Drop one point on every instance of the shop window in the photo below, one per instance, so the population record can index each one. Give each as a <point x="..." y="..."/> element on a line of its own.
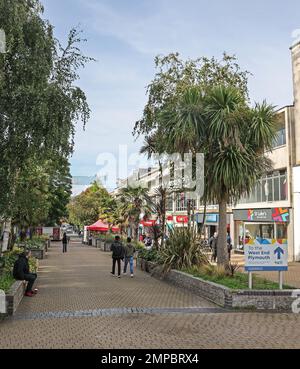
<point x="281" y="231"/>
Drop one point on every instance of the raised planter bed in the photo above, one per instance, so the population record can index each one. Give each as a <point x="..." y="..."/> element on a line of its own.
<point x="275" y="300"/>
<point x="14" y="297"/>
<point x="38" y="253"/>
<point x="107" y="246"/>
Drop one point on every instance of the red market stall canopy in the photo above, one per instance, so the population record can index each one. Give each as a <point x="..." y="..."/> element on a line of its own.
<point x="100" y="226"/>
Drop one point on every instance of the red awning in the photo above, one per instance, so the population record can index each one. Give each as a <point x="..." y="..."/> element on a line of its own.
<point x="115" y="229"/>
<point x="98" y="226"/>
<point x="102" y="227"/>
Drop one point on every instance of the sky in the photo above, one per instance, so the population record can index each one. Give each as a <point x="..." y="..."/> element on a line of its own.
<point x="124" y="36"/>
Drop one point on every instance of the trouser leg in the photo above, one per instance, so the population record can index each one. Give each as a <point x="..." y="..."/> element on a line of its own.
<point x="125" y="264"/>
<point x="119" y="266"/>
<point x="131" y="264"/>
<point x="30" y="278"/>
<point x="113" y="266"/>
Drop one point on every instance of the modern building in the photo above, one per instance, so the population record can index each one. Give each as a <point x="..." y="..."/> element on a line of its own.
<point x="273" y="208"/>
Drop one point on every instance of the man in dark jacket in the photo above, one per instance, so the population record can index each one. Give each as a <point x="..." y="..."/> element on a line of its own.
<point x="117" y="255"/>
<point x="21" y="272"/>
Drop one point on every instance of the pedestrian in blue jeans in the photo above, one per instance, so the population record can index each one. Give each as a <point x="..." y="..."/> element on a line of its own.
<point x="128" y="258"/>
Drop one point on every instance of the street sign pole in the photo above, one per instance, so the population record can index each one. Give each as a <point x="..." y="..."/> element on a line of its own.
<point x="280" y="280"/>
<point x="250" y="280"/>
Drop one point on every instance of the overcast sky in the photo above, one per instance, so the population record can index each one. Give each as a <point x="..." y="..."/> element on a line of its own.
<point x="125" y="36"/>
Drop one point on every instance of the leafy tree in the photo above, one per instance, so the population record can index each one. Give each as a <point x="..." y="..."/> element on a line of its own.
<point x="84" y="208"/>
<point x="39" y="101"/>
<point x="133" y="202"/>
<point x="175" y="75"/>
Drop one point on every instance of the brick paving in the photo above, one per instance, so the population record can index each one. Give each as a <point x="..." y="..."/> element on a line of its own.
<point x="80" y="305"/>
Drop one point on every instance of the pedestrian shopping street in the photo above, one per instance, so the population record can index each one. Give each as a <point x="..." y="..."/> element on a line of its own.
<point x="80" y="305"/>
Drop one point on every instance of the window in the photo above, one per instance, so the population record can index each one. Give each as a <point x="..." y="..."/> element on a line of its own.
<point x="169" y="203"/>
<point x="272" y="187"/>
<point x="182" y="202"/>
<point x="280" y="139"/>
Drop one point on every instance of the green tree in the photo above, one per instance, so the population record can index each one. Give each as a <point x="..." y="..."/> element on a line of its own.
<point x="84" y="208"/>
<point x="134" y="201"/>
<point x="233" y="137"/>
<point x="39" y="100"/>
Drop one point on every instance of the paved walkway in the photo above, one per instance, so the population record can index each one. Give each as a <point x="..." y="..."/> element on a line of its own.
<point x="80" y="305"/>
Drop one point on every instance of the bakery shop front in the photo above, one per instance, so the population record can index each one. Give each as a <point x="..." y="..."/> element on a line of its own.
<point x="271" y="223"/>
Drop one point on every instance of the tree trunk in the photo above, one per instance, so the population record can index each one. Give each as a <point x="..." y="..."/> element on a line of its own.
<point x="202" y="227"/>
<point x="222" y="253"/>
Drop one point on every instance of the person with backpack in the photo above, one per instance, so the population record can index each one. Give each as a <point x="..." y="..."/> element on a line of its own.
<point x="118" y="253"/>
<point x="128" y="257"/>
<point x="21" y="272"/>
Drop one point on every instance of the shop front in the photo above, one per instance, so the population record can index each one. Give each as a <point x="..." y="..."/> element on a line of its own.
<point x="252" y="224"/>
<point x="211" y="223"/>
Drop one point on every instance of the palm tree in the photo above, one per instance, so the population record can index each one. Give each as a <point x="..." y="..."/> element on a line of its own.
<point x="238" y="137"/>
<point x="233" y="138"/>
<point x="134" y="201"/>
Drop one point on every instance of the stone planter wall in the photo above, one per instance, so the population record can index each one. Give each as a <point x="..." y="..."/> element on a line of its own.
<point x="15" y="296"/>
<point x="107" y="246"/>
<point x="274" y="300"/>
<point x="38" y="253"/>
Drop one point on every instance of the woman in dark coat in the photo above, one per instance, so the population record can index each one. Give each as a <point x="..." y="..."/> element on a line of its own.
<point x="65" y="242"/>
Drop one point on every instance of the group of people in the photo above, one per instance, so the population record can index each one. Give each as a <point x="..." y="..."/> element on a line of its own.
<point x="213" y="242"/>
<point x="122" y="252"/>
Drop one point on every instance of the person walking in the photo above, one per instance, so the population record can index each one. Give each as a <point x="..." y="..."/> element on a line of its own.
<point x="213" y="243"/>
<point x="128" y="257"/>
<point x="118" y="252"/>
<point x="21" y="272"/>
<point x="65" y="242"/>
<point x="229" y="246"/>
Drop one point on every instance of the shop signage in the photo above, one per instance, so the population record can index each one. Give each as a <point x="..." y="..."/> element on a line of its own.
<point x="266" y="255"/>
<point x="281" y="215"/>
<point x="212" y="218"/>
<point x="182" y="219"/>
<point x="170" y="218"/>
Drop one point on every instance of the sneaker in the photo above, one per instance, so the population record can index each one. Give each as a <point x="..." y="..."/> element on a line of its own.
<point x="35" y="291"/>
<point x="119" y="276"/>
<point x="131" y="275"/>
<point x="29" y="294"/>
<point x="112" y="274"/>
<point x="124" y="273"/>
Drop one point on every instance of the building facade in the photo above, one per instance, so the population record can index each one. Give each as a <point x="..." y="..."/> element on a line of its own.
<point x="273" y="208"/>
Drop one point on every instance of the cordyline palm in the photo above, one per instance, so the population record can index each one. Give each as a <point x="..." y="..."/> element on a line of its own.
<point x="233" y="138"/>
<point x="134" y="201"/>
<point x="238" y="136"/>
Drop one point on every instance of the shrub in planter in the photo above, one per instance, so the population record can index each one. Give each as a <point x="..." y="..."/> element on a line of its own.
<point x="6" y="281"/>
<point x="8" y="259"/>
<point x="182" y="250"/>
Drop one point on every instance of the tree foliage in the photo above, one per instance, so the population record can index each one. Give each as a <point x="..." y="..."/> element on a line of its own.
<point x="39" y="105"/>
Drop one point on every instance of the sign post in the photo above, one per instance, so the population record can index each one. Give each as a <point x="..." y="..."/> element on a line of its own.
<point x="266" y="255"/>
<point x="250" y="280"/>
<point x="280" y="280"/>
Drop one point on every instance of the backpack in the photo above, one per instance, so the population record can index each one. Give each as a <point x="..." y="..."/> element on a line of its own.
<point x="118" y="250"/>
